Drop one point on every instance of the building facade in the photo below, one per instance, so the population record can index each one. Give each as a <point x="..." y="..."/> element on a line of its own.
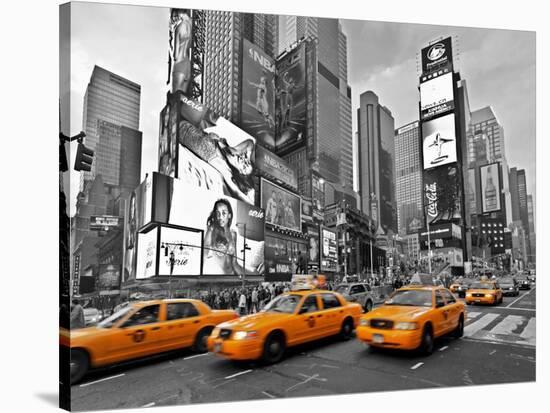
<point x="376" y="153"/>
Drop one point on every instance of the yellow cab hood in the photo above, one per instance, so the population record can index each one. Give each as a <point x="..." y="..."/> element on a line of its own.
<point x="398" y="312"/>
<point x="257" y="320"/>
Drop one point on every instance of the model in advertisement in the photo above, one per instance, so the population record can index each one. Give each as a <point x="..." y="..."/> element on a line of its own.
<point x="130" y="254"/>
<point x="166" y="160"/>
<point x="262" y="105"/>
<point x="290" y="220"/>
<point x="220" y="241"/>
<point x="181" y="27"/>
<point x="313" y="249"/>
<point x="271" y="209"/>
<point x="235" y="163"/>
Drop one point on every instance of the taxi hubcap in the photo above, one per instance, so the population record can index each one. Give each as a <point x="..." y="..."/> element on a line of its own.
<point x="274" y="347"/>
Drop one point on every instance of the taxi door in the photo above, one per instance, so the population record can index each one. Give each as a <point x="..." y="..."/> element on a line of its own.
<point x="333" y="314"/>
<point x="440" y="315"/>
<point x="453" y="310"/>
<point x="138" y="336"/>
<point x="183" y="322"/>
<point x="305" y="325"/>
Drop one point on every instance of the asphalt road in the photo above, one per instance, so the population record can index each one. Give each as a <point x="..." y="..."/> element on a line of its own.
<point x="498" y="347"/>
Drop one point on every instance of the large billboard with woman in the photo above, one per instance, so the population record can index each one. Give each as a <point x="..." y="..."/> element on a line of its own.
<point x="282" y="207"/>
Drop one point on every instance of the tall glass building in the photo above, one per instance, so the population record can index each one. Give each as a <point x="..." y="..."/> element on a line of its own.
<point x="114" y="99"/>
<point x="408" y="179"/>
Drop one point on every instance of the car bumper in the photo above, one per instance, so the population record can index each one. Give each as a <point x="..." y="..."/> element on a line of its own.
<point x="510" y="292"/>
<point x="235" y="349"/>
<point x="481" y="300"/>
<point x="400" y="339"/>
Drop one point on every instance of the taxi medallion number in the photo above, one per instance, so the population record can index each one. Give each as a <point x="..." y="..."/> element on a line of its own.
<point x="377" y="338"/>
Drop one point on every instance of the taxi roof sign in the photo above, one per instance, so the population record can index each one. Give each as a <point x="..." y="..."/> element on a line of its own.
<point x="307" y="282"/>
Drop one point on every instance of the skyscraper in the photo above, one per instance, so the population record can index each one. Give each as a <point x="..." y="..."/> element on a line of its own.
<point x="333" y="123"/>
<point x="532" y="234"/>
<point x="376" y="151"/>
<point x="111" y="98"/>
<point x="408" y="179"/>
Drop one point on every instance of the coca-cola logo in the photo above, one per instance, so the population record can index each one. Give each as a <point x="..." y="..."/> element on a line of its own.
<point x="431" y="196"/>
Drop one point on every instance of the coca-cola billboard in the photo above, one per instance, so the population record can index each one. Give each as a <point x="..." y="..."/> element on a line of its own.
<point x="442" y="194"/>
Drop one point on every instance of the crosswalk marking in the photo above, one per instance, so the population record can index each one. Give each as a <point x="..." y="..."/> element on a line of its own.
<point x="472" y="314"/>
<point x="484" y="321"/>
<point x="530" y="332"/>
<point x="509" y="324"/>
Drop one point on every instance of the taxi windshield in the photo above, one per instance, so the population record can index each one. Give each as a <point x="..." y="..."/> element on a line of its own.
<point x="507" y="281"/>
<point x="342" y="289"/>
<point x="415" y="298"/>
<point x="283" y="303"/>
<point x="481" y="286"/>
<point x="112" y="320"/>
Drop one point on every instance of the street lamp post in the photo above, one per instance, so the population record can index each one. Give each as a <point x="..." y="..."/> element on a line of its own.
<point x="246" y="247"/>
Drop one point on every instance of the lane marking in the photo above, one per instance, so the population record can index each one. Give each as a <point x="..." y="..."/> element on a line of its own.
<point x="268" y="395"/>
<point x="416" y="366"/>
<point x="484" y="340"/>
<point x="148" y="405"/>
<point x="99" y="381"/>
<point x="530" y="331"/>
<point x="308" y="379"/>
<point x="472" y="314"/>
<point x="238" y="374"/>
<point x="195" y="356"/>
<point x="520" y="297"/>
<point x="484" y="321"/>
<point x="509" y="324"/>
<point x="443" y="348"/>
<point x="492" y="352"/>
<point x="223" y="383"/>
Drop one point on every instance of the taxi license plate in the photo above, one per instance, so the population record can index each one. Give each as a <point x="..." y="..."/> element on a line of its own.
<point x="377" y="338"/>
<point x="478" y="301"/>
<point x="217" y="347"/>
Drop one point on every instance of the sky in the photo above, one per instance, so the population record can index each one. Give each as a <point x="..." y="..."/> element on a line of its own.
<point x="498" y="66"/>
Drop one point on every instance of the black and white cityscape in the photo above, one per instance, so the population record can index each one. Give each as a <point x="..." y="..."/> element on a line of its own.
<point x="226" y="155"/>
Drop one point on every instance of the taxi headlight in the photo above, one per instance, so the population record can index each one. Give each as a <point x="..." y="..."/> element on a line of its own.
<point x="364" y="323"/>
<point x="244" y="335"/>
<point x="406" y="326"/>
<point x="216" y="332"/>
<point x="468" y="294"/>
<point x="489" y="295"/>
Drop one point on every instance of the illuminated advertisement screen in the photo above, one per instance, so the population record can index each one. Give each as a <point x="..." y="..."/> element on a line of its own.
<point x="490" y="187"/>
<point x="275" y="166"/>
<point x="439" y="141"/>
<point x="225" y="221"/>
<point x="290" y="100"/>
<point x="109" y="277"/>
<point x="168" y="141"/>
<point x="329" y="250"/>
<point x="282" y="207"/>
<point x="437" y="55"/>
<point x="258" y="95"/>
<point x="436" y="96"/>
<point x="227" y="148"/>
<point x="180" y="252"/>
<point x="277" y="256"/>
<point x="471" y="191"/>
<point x="147" y="254"/>
<point x="442" y="194"/>
<point x="313" y="245"/>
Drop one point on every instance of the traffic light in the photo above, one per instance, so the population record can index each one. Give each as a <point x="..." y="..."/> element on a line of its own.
<point x="84" y="158"/>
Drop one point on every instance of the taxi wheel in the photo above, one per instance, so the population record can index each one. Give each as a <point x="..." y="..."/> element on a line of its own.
<point x="274" y="348"/>
<point x="201" y="340"/>
<point x="79" y="365"/>
<point x="459" y="330"/>
<point x="427" y="343"/>
<point x="347" y="329"/>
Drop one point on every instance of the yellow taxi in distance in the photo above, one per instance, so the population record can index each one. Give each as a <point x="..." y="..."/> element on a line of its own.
<point x="142" y="329"/>
<point x="484" y="292"/>
<point x="412" y="318"/>
<point x="292" y="318"/>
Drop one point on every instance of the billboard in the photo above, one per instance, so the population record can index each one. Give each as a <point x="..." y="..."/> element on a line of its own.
<point x="471" y="191"/>
<point x="442" y="194"/>
<point x="329" y="250"/>
<point x="109" y="277"/>
<point x="138" y="212"/>
<point x="437" y="55"/>
<point x="258" y="95"/>
<point x="196" y="172"/>
<point x="276" y="167"/>
<point x="490" y="187"/>
<point x="180" y="252"/>
<point x="439" y="141"/>
<point x="225" y="221"/>
<point x="282" y="207"/>
<point x="313" y="248"/>
<point x="168" y="142"/>
<point x="147" y="254"/>
<point x="179" y="55"/>
<point x="227" y="148"/>
<point x="104" y="222"/>
<point x="436" y="96"/>
<point x="277" y="256"/>
<point x="290" y="100"/>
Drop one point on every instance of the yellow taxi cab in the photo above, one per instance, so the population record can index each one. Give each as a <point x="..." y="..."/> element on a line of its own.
<point x="142" y="329"/>
<point x="412" y="318"/>
<point x="484" y="292"/>
<point x="298" y="316"/>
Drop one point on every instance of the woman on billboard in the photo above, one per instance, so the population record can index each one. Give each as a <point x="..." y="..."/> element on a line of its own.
<point x="220" y="241"/>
